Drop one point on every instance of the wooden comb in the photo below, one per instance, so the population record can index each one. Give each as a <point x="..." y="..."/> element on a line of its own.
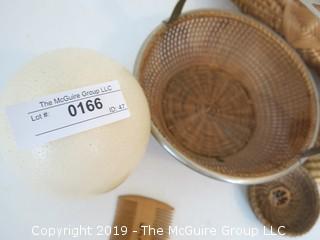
<point x="143" y="219"/>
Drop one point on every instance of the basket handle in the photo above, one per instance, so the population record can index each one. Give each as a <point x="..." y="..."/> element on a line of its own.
<point x="311" y="152"/>
<point x="176" y="11"/>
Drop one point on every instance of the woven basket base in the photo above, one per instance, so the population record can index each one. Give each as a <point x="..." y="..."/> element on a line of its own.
<point x="209" y="112"/>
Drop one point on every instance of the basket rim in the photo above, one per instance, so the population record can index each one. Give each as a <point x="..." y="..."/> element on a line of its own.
<point x="303" y="174"/>
<point x="189" y="162"/>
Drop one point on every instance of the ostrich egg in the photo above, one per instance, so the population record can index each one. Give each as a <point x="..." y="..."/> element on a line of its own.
<point x="91" y="160"/>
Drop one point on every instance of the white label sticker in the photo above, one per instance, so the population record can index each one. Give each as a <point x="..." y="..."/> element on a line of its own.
<point x="67" y="113"/>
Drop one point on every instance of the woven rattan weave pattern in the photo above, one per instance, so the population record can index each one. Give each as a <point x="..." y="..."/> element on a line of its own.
<point x="205" y="105"/>
<point x="267" y="108"/>
<point x="313" y="167"/>
<point x="292" y="202"/>
<point x="293" y="20"/>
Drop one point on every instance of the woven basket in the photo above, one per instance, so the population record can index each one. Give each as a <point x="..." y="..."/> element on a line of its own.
<point x="292" y="201"/>
<point x="227" y="95"/>
<point x="301" y="28"/>
<point x="268" y="11"/>
<point x="313" y="165"/>
<point x="293" y="20"/>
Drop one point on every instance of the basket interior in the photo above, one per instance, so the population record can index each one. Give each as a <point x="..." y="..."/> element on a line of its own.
<point x="291" y="201"/>
<point x="228" y="93"/>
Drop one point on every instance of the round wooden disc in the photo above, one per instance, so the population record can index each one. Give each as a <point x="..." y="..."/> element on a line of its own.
<point x="292" y="202"/>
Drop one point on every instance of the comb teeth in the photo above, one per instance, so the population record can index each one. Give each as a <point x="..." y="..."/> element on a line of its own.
<point x="163" y="220"/>
<point x="132" y="211"/>
<point x="125" y="215"/>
